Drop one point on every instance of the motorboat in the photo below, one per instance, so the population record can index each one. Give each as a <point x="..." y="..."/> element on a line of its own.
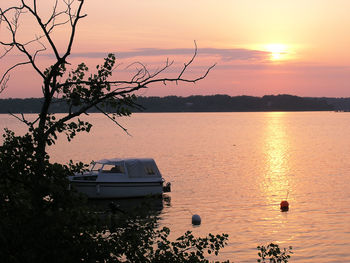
<point x="120" y="178"/>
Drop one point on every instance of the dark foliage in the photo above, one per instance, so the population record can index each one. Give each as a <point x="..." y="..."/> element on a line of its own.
<point x="273" y="254"/>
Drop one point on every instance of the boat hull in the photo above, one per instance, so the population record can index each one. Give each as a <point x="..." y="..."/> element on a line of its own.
<point x="99" y="190"/>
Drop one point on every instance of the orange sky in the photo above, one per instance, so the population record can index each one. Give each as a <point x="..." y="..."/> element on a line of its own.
<point x="261" y="47"/>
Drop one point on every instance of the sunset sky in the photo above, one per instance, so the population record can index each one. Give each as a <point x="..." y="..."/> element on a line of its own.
<point x="260" y="46"/>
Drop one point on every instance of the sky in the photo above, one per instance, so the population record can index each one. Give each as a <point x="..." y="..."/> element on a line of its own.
<point x="259" y="47"/>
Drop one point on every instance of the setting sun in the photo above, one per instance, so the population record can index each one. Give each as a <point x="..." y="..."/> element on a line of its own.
<point x="278" y="51"/>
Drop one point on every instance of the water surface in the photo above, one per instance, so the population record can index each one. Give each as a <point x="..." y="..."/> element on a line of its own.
<point x="233" y="169"/>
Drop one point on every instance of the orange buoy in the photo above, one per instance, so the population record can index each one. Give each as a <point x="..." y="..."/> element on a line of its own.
<point x="284" y="206"/>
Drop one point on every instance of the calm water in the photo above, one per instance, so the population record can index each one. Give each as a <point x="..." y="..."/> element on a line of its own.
<point x="233" y="169"/>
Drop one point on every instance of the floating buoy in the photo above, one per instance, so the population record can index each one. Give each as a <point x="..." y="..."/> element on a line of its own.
<point x="196" y="220"/>
<point x="284" y="206"/>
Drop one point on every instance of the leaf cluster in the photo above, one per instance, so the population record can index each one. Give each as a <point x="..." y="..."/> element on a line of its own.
<point x="81" y="93"/>
<point x="186" y="248"/>
<point x="273" y="254"/>
<point x="78" y="90"/>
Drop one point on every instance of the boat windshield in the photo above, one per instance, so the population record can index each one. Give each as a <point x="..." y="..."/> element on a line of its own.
<point x="96" y="167"/>
<point x="113" y="168"/>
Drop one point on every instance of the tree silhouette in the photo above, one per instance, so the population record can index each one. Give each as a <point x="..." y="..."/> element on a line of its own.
<point x="79" y="89"/>
<point x="43" y="220"/>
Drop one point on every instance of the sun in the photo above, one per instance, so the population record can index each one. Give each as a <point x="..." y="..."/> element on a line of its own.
<point x="277" y="51"/>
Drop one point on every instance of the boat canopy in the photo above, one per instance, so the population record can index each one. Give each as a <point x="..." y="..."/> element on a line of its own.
<point x="137" y="168"/>
<point x="142" y="168"/>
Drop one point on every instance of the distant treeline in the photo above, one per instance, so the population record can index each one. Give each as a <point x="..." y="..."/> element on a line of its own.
<point x="224" y="103"/>
<point x="214" y="103"/>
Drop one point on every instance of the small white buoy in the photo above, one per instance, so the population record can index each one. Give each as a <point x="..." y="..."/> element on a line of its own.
<point x="196" y="220"/>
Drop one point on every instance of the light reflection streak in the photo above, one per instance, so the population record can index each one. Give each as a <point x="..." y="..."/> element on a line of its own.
<point x="275" y="182"/>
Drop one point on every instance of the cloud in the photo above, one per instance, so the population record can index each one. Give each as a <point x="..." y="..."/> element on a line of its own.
<point x="225" y="54"/>
<point x="237" y="59"/>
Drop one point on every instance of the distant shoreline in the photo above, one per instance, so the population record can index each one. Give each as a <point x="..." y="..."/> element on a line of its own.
<point x="168" y="112"/>
<point x="211" y="103"/>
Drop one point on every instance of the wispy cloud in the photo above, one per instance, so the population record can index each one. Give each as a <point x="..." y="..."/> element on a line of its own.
<point x="238" y="59"/>
<point x="224" y="54"/>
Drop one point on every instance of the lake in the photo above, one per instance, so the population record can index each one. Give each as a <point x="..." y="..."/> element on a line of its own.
<point x="234" y="169"/>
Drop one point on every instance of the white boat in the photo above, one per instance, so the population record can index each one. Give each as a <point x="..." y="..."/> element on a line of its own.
<point x="120" y="178"/>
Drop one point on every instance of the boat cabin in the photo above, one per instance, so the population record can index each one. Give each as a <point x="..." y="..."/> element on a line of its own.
<point x="131" y="168"/>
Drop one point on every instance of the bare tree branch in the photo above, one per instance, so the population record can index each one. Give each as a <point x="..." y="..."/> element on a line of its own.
<point x="159" y="71"/>
<point x="44" y="30"/>
<point x="23" y="119"/>
<point x="74" y="26"/>
<point x="12" y="26"/>
<point x="189" y="62"/>
<point x="6" y="51"/>
<point x="144" y="82"/>
<point x="3" y="83"/>
<point x="141" y="73"/>
<point x="113" y="120"/>
<point x="140" y="80"/>
<point x="5" y="77"/>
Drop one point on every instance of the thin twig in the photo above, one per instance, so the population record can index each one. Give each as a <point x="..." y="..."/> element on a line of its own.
<point x="21" y="119"/>
<point x="109" y="117"/>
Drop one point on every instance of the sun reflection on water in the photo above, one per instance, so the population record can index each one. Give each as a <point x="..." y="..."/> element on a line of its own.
<point x="275" y="183"/>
